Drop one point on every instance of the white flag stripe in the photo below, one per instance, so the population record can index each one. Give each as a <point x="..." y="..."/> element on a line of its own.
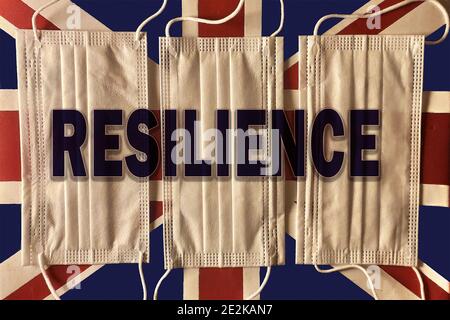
<point x="434" y="195"/>
<point x="434" y="276"/>
<point x="189" y="8"/>
<point x="9" y="100"/>
<point x="8" y="27"/>
<point x="253" y="18"/>
<point x="251" y="278"/>
<point x="156" y="224"/>
<point x="191" y="284"/>
<point x="436" y="101"/>
<point x="75" y="281"/>
<point x="343" y="23"/>
<point x="10" y="192"/>
<point x="13" y="275"/>
<point x="425" y="19"/>
<point x="389" y="288"/>
<point x="59" y="14"/>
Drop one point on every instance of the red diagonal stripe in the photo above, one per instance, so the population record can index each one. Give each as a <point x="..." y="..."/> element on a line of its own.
<point x="19" y="14"/>
<point x="407" y="277"/>
<point x="360" y="26"/>
<point x="221" y="284"/>
<point x="156" y="210"/>
<point x="219" y="9"/>
<point x="436" y="148"/>
<point x="291" y="78"/>
<point x="36" y="289"/>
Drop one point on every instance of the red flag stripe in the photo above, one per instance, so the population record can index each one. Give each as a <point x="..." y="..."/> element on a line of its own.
<point x="291" y="77"/>
<point x="436" y="148"/>
<point x="9" y="146"/>
<point x="217" y="10"/>
<point x="221" y="284"/>
<point x="360" y="26"/>
<point x="19" y="14"/>
<point x="36" y="289"/>
<point x="407" y="277"/>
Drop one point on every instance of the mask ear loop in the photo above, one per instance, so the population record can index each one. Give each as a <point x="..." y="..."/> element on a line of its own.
<point x="34" y="17"/>
<point x="53" y="291"/>
<point x="351" y="266"/>
<point x="206" y="21"/>
<point x="146" y="21"/>
<point x="389" y="9"/>
<point x="422" y="287"/>
<point x="226" y="19"/>
<point x="280" y="27"/>
<point x="141" y="275"/>
<point x="46" y="278"/>
<point x="158" y="285"/>
<point x="261" y="287"/>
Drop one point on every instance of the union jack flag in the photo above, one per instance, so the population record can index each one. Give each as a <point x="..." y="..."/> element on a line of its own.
<point x="258" y="17"/>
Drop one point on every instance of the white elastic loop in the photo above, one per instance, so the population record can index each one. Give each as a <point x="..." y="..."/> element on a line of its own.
<point x="46" y="278"/>
<point x="35" y="15"/>
<point x="206" y="21"/>
<point x="389" y="9"/>
<point x="261" y="287"/>
<point x="146" y="21"/>
<point x="158" y="285"/>
<point x="226" y="19"/>
<point x="351" y="266"/>
<point x="141" y="275"/>
<point x="422" y="287"/>
<point x="280" y="27"/>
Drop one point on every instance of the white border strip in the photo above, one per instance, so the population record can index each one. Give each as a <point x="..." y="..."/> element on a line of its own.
<point x="10" y="192"/>
<point x="9" y="100"/>
<point x="436" y="101"/>
<point x="253" y="18"/>
<point x="434" y="195"/>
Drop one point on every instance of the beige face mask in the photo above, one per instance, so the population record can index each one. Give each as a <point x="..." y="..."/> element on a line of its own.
<point x="361" y="203"/>
<point x="79" y="93"/>
<point x="219" y="221"/>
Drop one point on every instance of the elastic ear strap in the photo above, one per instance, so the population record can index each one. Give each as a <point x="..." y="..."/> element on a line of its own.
<point x="351" y="266"/>
<point x="146" y="21"/>
<point x="226" y="19"/>
<point x="422" y="287"/>
<point x="141" y="275"/>
<point x="261" y="287"/>
<point x="35" y="15"/>
<point x="158" y="285"/>
<point x="390" y="9"/>
<point x="46" y="278"/>
<point x="206" y="21"/>
<point x="280" y="27"/>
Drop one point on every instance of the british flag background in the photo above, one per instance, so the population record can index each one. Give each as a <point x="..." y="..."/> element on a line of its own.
<point x="258" y="17"/>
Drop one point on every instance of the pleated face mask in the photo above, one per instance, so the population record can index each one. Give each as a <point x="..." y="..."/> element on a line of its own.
<point x="363" y="98"/>
<point x="85" y="147"/>
<point x="220" y="213"/>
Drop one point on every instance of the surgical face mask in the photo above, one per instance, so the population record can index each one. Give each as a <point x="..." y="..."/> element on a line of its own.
<point x="212" y="216"/>
<point x="363" y="99"/>
<point x="83" y="104"/>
